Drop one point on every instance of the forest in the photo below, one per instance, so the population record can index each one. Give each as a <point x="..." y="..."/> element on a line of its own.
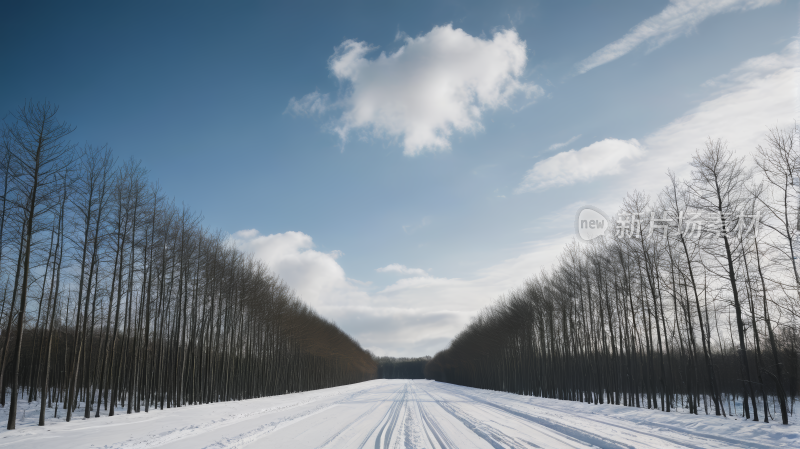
<point x="121" y="299"/>
<point x="692" y="302"/>
<point x="401" y="367"/>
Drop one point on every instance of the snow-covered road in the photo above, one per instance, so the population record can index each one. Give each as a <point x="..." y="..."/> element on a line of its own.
<point x="402" y="414"/>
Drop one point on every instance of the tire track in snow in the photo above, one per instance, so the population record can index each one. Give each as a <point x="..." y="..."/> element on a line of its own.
<point x="330" y="440"/>
<point x="470" y="424"/>
<point x="555" y="433"/>
<point x="263" y="430"/>
<point x="430" y="425"/>
<point x="575" y="434"/>
<point x="394" y="398"/>
<point x="404" y="414"/>
<point x="199" y="429"/>
<point x="389" y="420"/>
<point x="561" y="431"/>
<point x="252" y="436"/>
<point x="691" y="435"/>
<point x="392" y="422"/>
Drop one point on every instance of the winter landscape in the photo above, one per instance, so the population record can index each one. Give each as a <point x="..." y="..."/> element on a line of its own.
<point x="511" y="224"/>
<point x="402" y="414"/>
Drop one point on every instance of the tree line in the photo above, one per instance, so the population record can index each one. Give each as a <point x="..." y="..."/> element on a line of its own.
<point x="401" y="367"/>
<point x="691" y="299"/>
<point x="116" y="297"/>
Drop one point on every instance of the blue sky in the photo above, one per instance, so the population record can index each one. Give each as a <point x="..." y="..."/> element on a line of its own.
<point x="400" y="195"/>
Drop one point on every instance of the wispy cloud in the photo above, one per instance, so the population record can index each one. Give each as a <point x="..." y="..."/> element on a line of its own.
<point x="569" y="167"/>
<point x="412" y="228"/>
<point x="309" y="104"/>
<point x="757" y="68"/>
<point x="434" y="85"/>
<point x="399" y="331"/>
<point x="402" y="269"/>
<point x="556" y="146"/>
<point x="760" y="92"/>
<point x="678" y="18"/>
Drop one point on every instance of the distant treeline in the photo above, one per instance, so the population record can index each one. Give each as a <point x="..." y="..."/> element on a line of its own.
<point x="115" y="295"/>
<point x="401" y="368"/>
<point x="692" y="301"/>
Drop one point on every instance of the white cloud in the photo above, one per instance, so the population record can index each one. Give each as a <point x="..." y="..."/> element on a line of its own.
<point x="419" y="314"/>
<point x="316" y="276"/>
<point x="475" y="290"/>
<point x="679" y="17"/>
<point x="433" y="85"/>
<point x="556" y="146"/>
<point x="755" y="68"/>
<point x="569" y="167"/>
<point x="435" y="309"/>
<point x="414" y="316"/>
<point x="402" y="269"/>
<point x="422" y="282"/>
<point x="760" y="93"/>
<point x="399" y="331"/>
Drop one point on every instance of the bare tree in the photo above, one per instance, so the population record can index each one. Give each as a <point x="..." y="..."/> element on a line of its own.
<point x="39" y="154"/>
<point x="165" y="313"/>
<point x="618" y="320"/>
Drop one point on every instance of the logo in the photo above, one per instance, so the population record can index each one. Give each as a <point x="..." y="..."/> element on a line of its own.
<point x="591" y="223"/>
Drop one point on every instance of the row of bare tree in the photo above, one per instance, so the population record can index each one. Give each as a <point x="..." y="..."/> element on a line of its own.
<point x="401" y="367"/>
<point x="690" y="300"/>
<point x="114" y="296"/>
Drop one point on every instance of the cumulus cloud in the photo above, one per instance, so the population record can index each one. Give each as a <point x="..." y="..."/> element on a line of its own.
<point x="432" y="86"/>
<point x="678" y="18"/>
<point x="560" y="145"/>
<point x="419" y="314"/>
<point x="413" y="316"/>
<point x="569" y="167"/>
<point x="314" y="275"/>
<point x="402" y="269"/>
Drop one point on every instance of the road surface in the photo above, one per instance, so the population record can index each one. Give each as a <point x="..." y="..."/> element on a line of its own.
<point x="401" y="414"/>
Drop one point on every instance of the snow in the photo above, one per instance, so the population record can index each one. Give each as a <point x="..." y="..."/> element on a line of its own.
<point x="396" y="414"/>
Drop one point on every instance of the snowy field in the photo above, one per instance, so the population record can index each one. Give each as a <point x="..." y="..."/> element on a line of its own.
<point x="398" y="414"/>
